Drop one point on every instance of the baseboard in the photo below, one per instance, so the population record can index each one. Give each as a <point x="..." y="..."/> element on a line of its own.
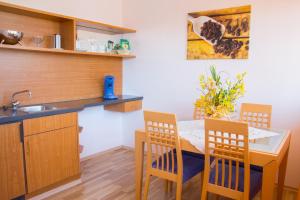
<point x="288" y="188"/>
<point x="56" y="190"/>
<point x="100" y="153"/>
<point x="106" y="151"/>
<point x="127" y="148"/>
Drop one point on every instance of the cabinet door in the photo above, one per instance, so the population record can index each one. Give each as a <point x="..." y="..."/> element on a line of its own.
<point x="12" y="181"/>
<point x="51" y="157"/>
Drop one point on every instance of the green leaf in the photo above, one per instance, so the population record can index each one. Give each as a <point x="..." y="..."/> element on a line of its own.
<point x="213" y="72"/>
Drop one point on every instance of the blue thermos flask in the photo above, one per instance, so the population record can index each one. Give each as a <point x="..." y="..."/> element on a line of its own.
<point x="109" y="82"/>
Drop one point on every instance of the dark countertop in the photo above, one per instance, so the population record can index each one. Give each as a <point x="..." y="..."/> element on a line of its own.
<point x="7" y="116"/>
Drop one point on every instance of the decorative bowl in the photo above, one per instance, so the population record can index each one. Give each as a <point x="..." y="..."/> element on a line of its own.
<point x="10" y="37"/>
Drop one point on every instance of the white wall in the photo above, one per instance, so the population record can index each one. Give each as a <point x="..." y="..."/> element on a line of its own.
<point x="169" y="82"/>
<point x="102" y="129"/>
<point x="99" y="10"/>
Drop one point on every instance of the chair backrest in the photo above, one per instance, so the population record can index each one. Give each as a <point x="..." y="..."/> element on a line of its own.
<point x="227" y="143"/>
<point x="162" y="141"/>
<point x="198" y="112"/>
<point x="257" y="115"/>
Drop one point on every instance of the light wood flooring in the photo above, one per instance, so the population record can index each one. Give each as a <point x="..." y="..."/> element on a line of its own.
<point x="111" y="177"/>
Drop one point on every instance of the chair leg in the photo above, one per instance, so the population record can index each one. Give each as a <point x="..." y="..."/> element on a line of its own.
<point x="167" y="186"/>
<point x="203" y="194"/>
<point x="146" y="189"/>
<point x="204" y="186"/>
<point x="178" y="190"/>
<point x="216" y="197"/>
<point x="201" y="178"/>
<point x="170" y="186"/>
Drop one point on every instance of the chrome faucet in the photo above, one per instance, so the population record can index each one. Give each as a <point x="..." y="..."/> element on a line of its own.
<point x="15" y="103"/>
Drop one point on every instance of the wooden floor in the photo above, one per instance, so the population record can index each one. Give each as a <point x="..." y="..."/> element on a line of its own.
<point x="111" y="177"/>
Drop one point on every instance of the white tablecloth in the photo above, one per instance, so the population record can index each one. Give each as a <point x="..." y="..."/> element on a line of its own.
<point x="193" y="131"/>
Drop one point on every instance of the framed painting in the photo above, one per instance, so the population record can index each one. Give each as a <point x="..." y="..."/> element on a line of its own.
<point x="219" y="34"/>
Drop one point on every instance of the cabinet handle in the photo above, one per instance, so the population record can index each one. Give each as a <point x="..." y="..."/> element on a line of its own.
<point x="27" y="147"/>
<point x="21" y="133"/>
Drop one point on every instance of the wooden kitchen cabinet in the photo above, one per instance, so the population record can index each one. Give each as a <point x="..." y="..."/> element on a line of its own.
<point x="51" y="151"/>
<point x="125" y="107"/>
<point x="12" y="180"/>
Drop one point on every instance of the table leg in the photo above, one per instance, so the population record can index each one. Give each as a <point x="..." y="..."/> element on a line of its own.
<point x="269" y="176"/>
<point x="139" y="163"/>
<point x="281" y="175"/>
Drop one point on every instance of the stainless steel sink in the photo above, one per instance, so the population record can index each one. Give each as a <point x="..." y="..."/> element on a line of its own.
<point x="37" y="108"/>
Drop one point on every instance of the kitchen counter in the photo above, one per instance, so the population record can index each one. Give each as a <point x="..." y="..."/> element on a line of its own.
<point x="7" y="116"/>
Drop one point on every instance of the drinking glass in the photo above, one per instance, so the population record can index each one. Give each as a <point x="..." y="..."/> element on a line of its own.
<point x="38" y="40"/>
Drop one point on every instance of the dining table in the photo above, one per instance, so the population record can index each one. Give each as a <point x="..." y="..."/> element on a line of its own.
<point x="268" y="148"/>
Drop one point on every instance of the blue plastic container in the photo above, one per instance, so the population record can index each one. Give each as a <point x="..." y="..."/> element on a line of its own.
<point x="109" y="82"/>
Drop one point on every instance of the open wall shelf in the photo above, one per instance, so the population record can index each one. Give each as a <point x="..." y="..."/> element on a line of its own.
<point x="62" y="51"/>
<point x="34" y="22"/>
<point x="83" y="24"/>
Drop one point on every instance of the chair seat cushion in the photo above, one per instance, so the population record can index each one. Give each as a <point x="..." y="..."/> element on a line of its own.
<point x="198" y="155"/>
<point x="192" y="164"/>
<point x="253" y="167"/>
<point x="255" y="177"/>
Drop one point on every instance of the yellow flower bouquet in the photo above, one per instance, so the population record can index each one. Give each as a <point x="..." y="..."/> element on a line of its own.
<point x="218" y="96"/>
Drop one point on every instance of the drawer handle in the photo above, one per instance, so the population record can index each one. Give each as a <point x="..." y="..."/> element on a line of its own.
<point x="27" y="148"/>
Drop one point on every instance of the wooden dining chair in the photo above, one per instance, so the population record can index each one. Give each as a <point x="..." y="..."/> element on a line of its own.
<point x="198" y="112"/>
<point x="164" y="156"/>
<point x="257" y="115"/>
<point x="230" y="174"/>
